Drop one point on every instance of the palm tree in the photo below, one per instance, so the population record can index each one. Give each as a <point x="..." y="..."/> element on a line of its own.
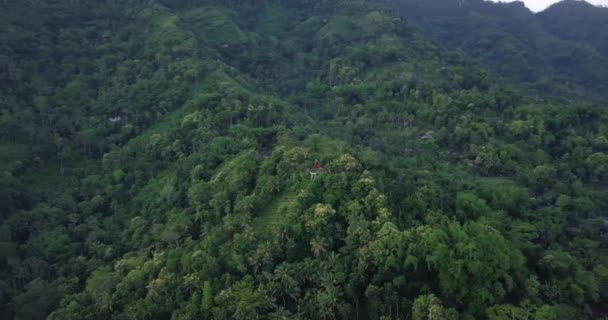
<point x="282" y="314"/>
<point x="288" y="285"/>
<point x="327" y="301"/>
<point x="317" y="246"/>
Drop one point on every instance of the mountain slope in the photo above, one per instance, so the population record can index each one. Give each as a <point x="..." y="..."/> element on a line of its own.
<point x="578" y="21"/>
<point x="446" y="193"/>
<point x="554" y="52"/>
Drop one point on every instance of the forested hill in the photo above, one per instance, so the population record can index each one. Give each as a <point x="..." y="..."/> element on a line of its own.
<point x="156" y="161"/>
<point x="558" y="52"/>
<point x="578" y="21"/>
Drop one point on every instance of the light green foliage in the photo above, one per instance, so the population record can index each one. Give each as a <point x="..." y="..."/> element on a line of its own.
<point x="375" y="23"/>
<point x="274" y="214"/>
<point x="215" y="26"/>
<point x="510" y="312"/>
<point x="598" y="165"/>
<point x="338" y="29"/>
<point x="100" y="286"/>
<point x="429" y="307"/>
<point x="207" y="298"/>
<point x="545" y="313"/>
<point x="505" y="312"/>
<point x="345" y="162"/>
<point x="474" y="263"/>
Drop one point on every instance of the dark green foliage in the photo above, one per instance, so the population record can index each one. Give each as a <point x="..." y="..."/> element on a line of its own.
<point x="553" y="52"/>
<point x="158" y="163"/>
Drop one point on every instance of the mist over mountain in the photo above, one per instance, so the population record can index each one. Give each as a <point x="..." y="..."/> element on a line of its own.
<point x="578" y="21"/>
<point x="541" y="5"/>
<point x="302" y="159"/>
<point x="558" y="52"/>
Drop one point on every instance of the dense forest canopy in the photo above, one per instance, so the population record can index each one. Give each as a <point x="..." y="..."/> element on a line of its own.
<point x="558" y="52"/>
<point x="302" y="159"/>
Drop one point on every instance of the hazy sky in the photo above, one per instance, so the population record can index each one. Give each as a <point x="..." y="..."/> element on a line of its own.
<point x="538" y="5"/>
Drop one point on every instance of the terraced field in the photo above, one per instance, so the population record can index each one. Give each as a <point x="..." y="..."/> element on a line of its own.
<point x="274" y="214"/>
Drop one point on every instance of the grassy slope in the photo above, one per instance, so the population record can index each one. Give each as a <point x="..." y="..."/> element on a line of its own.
<point x="273" y="214"/>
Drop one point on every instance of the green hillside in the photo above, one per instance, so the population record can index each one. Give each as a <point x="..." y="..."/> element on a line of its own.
<point x="557" y="53"/>
<point x="156" y="158"/>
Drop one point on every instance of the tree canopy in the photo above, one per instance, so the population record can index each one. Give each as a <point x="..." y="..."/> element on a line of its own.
<point x="158" y="162"/>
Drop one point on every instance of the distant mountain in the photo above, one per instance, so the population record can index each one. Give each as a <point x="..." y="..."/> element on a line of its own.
<point x="556" y="52"/>
<point x="578" y="21"/>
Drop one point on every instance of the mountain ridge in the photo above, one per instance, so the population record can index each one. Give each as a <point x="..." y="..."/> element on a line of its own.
<point x="551" y="57"/>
